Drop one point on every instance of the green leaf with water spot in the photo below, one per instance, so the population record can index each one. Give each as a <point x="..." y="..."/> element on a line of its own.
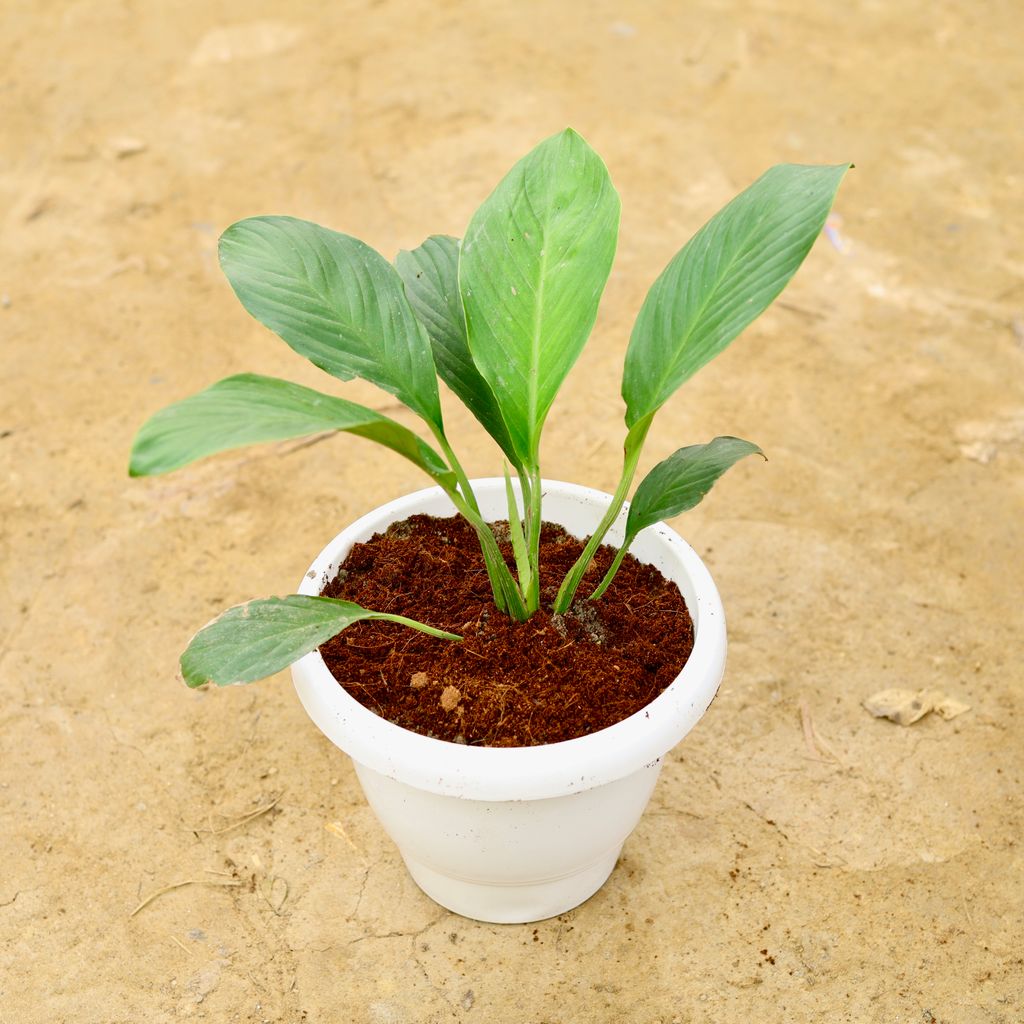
<point x="335" y="301"/>
<point x="534" y="262"/>
<point x="259" y="638"/>
<point x="249" y="409"/>
<point x="431" y="276"/>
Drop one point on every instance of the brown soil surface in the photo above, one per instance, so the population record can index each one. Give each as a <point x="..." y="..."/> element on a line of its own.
<point x="506" y="683"/>
<point x="881" y="545"/>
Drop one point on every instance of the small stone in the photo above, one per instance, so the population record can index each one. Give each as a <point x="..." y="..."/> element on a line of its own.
<point x="950" y="707"/>
<point x="904" y="707"/>
<point x="124" y="146"/>
<point x="419" y="680"/>
<point x="1017" y="326"/>
<point x="450" y="697"/>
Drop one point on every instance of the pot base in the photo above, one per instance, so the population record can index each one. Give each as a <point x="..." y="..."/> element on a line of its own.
<point x="512" y="904"/>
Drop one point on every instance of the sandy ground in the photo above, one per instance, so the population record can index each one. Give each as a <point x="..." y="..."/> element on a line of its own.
<point x="881" y="546"/>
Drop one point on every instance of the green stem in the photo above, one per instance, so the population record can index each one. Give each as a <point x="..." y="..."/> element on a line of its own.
<point x="515" y="529"/>
<point x="421" y="626"/>
<point x="460" y="473"/>
<point x="524" y="485"/>
<point x="533" y="512"/>
<point x="507" y="596"/>
<point x="506" y="591"/>
<point x="571" y="583"/>
<point x="612" y="570"/>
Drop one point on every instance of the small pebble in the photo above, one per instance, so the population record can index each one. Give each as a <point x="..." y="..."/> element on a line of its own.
<point x="120" y="148"/>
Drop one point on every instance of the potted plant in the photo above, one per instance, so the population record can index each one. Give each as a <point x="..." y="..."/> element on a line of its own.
<point x="500" y="833"/>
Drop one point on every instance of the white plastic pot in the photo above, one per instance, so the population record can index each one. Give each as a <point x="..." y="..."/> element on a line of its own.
<point x="524" y="833"/>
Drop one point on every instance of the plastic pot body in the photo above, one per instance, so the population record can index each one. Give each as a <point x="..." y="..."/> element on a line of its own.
<point x="518" y="834"/>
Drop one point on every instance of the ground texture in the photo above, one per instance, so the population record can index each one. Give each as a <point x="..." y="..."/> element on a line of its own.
<point x="801" y="861"/>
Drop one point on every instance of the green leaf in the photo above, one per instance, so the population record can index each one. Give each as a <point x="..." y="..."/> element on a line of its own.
<point x="674" y="485"/>
<point x="335" y="301"/>
<point x="248" y="409"/>
<point x="257" y="639"/>
<point x="679" y="482"/>
<point x="431" y="276"/>
<point x="724" y="278"/>
<point x="534" y="262"/>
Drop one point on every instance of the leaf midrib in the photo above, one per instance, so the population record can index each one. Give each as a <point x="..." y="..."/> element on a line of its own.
<point x="535" y="337"/>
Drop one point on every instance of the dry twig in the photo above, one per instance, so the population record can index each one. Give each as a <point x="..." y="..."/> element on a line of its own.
<point x="816" y="746"/>
<point x="251" y="816"/>
<point x="337" y="829"/>
<point x="178" y="885"/>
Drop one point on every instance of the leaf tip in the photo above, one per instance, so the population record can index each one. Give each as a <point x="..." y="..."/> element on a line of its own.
<point x="193" y="680"/>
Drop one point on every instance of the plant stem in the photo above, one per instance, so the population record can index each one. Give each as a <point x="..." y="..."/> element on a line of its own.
<point x="532" y="593"/>
<point x="533" y="512"/>
<point x="421" y="626"/>
<point x="506" y="592"/>
<point x="612" y="570"/>
<point x="632" y="448"/>
<point x="518" y="537"/>
<point x="524" y="485"/>
<point x="460" y="473"/>
<point x="507" y="596"/>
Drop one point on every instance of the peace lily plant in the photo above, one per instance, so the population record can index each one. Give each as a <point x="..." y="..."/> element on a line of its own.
<point x="500" y="317"/>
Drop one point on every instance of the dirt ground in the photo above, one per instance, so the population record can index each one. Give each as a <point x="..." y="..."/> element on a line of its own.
<point x="801" y="861"/>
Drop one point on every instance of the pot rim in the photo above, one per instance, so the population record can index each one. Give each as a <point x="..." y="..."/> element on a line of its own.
<point x="518" y="773"/>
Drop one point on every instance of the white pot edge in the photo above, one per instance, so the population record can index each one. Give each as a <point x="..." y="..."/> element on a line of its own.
<point x="522" y="773"/>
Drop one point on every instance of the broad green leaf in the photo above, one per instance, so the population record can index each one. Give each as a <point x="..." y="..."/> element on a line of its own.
<point x="431" y="276"/>
<point x="680" y="482"/>
<point x="248" y="409"/>
<point x="534" y="262"/>
<point x="335" y="301"/>
<point x="257" y="639"/>
<point x="724" y="278"/>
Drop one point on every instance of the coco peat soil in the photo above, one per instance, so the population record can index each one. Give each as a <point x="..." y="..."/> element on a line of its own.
<point x="507" y="683"/>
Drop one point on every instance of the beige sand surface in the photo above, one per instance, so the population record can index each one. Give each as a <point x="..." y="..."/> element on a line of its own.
<point x="881" y="546"/>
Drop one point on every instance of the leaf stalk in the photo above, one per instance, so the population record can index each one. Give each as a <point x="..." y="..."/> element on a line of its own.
<point x="631" y="457"/>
